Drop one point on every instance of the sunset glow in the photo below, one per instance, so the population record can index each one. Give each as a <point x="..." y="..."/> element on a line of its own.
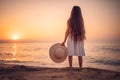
<point x="15" y="37"/>
<point x="46" y="20"/>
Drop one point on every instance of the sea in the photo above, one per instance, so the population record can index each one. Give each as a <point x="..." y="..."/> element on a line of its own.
<point x="102" y="55"/>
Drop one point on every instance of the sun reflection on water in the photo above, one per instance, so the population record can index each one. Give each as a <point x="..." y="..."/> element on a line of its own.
<point x="14" y="51"/>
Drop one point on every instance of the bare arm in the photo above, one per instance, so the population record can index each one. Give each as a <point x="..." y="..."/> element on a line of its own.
<point x="66" y="35"/>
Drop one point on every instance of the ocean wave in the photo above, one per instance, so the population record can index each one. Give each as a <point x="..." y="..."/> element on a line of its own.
<point x="107" y="62"/>
<point x="5" y="55"/>
<point x="17" y="61"/>
<point x="35" y="49"/>
<point x="111" y="49"/>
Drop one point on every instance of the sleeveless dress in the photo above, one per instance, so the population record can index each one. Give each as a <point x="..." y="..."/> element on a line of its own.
<point x="75" y="49"/>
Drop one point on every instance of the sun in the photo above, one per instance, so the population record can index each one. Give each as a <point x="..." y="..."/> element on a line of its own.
<point x="15" y="37"/>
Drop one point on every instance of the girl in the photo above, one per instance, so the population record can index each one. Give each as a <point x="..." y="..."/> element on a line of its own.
<point x="76" y="35"/>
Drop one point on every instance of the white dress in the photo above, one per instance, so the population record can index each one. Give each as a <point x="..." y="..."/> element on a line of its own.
<point x="75" y="49"/>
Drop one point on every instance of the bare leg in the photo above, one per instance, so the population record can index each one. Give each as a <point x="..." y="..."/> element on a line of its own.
<point x="80" y="61"/>
<point x="70" y="61"/>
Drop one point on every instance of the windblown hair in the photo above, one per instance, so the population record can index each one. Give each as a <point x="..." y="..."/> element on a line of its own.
<point x="76" y="25"/>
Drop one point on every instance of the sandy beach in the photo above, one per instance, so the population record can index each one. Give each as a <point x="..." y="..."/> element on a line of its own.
<point x="20" y="72"/>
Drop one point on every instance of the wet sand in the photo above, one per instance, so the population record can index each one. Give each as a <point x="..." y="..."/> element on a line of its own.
<point x="20" y="72"/>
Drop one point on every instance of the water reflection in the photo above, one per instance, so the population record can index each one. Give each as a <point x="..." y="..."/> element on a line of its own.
<point x="14" y="51"/>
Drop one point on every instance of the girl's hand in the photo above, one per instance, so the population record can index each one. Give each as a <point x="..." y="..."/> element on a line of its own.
<point x="63" y="43"/>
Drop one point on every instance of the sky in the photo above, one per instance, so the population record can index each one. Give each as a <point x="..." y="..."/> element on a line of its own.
<point x="45" y="20"/>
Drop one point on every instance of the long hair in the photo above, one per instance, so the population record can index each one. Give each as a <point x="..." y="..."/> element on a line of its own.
<point x="76" y="25"/>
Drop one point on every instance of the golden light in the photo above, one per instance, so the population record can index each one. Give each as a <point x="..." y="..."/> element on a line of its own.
<point x="15" y="37"/>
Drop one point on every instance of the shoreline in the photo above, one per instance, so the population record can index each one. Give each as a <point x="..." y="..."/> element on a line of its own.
<point x="21" y="72"/>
